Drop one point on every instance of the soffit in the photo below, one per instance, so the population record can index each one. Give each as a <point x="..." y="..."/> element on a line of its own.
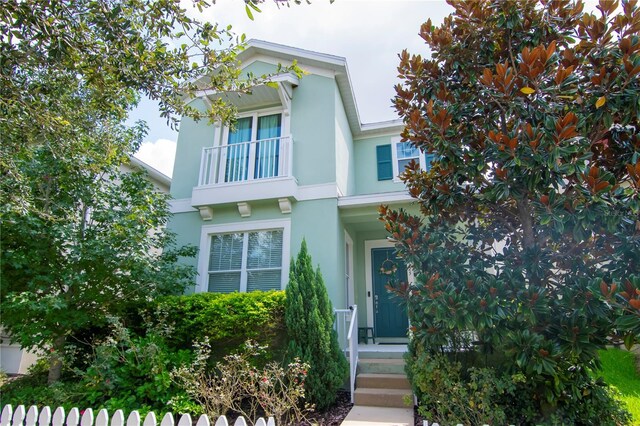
<point x="261" y="96"/>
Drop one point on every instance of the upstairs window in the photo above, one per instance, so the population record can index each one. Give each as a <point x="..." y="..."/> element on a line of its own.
<point x="403" y="153"/>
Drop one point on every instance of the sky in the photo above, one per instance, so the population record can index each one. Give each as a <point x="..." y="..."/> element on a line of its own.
<point x="368" y="33"/>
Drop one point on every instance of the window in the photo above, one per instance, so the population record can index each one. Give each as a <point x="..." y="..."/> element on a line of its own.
<point x="404" y="152"/>
<point x="253" y="148"/>
<point x="244" y="256"/>
<point x="245" y="261"/>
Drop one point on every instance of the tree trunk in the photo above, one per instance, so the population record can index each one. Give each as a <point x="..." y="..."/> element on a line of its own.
<point x="55" y="368"/>
<point x="529" y="240"/>
<point x="524" y="213"/>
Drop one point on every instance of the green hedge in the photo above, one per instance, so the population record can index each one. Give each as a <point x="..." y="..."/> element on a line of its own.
<point x="228" y="320"/>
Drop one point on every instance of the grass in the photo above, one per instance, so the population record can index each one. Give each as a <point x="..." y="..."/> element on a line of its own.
<point x="619" y="370"/>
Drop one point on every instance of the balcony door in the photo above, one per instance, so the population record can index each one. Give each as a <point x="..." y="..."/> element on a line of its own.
<point x="253" y="148"/>
<point x="237" y="165"/>
<point x="268" y="146"/>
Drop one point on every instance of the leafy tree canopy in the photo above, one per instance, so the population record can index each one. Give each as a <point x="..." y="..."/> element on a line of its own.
<point x="80" y="239"/>
<point x="530" y="234"/>
<point x="67" y="65"/>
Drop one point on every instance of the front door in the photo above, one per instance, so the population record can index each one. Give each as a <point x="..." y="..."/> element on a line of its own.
<point x="389" y="313"/>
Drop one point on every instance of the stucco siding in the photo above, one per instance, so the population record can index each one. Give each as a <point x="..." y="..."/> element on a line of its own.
<point x="312" y="127"/>
<point x="366" y="176"/>
<point x="186" y="226"/>
<point x="345" y="167"/>
<point x="192" y="138"/>
<point x="317" y="222"/>
<point x="258" y="68"/>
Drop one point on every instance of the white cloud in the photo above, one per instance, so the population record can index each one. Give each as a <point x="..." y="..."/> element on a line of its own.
<point x="160" y="155"/>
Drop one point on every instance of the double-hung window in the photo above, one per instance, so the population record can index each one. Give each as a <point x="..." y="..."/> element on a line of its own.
<point x="250" y="257"/>
<point x="245" y="261"/>
<point x="404" y="152"/>
<point x="253" y="148"/>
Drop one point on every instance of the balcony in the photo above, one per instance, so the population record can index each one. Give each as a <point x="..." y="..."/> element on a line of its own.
<point x="247" y="171"/>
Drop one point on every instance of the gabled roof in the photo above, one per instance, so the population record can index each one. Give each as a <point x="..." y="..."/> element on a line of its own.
<point x="336" y="64"/>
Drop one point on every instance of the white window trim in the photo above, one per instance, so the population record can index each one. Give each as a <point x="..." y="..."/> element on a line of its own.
<point x="202" y="281"/>
<point x="349" y="278"/>
<point x="394" y="157"/>
<point x="284" y="123"/>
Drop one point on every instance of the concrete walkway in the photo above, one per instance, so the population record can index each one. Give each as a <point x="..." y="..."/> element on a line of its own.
<point x="361" y="415"/>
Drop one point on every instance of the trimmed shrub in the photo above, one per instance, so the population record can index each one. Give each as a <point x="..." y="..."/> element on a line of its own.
<point x="226" y="320"/>
<point x="309" y="319"/>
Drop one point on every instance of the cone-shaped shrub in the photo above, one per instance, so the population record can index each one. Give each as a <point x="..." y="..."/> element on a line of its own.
<point x="309" y="319"/>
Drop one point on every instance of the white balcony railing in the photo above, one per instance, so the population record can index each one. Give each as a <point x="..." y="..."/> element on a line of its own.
<point x="246" y="161"/>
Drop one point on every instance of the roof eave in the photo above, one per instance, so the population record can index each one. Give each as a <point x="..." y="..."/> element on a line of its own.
<point x="151" y="171"/>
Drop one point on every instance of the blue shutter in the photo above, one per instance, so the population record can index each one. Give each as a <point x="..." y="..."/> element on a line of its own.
<point x="385" y="166"/>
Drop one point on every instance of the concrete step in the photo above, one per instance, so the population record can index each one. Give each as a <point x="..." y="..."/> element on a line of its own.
<point x="380" y="351"/>
<point x="382" y="381"/>
<point x="374" y="397"/>
<point x="379" y="416"/>
<point x="381" y="365"/>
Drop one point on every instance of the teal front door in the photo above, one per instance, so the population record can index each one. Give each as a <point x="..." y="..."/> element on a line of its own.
<point x="389" y="314"/>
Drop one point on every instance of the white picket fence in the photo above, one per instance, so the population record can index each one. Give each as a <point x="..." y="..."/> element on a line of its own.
<point x="33" y="417"/>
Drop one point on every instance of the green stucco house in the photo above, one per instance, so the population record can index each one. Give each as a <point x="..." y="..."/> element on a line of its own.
<point x="299" y="164"/>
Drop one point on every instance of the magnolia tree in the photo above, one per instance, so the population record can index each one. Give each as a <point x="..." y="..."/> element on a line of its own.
<point x="529" y="240"/>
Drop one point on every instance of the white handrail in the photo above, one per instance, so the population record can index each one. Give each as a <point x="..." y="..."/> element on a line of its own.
<point x="348" y="339"/>
<point x="353" y="350"/>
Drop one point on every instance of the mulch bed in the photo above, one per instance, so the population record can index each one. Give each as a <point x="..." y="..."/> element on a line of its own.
<point x="334" y="415"/>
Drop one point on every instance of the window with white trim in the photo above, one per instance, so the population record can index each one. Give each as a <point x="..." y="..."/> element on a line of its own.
<point x="245" y="261"/>
<point x="402" y="154"/>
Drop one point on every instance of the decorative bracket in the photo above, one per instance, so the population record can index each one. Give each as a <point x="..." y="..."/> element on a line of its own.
<point x="206" y="212"/>
<point x="285" y="205"/>
<point x="244" y="209"/>
<point x="285" y="92"/>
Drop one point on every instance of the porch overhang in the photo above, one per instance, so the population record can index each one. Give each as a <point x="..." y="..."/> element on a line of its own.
<point x="371" y="200"/>
<point x="360" y="212"/>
